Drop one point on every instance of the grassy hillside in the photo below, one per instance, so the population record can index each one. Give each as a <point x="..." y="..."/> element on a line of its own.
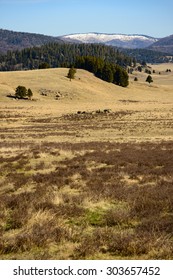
<point x="85" y="85"/>
<point x="86" y="167"/>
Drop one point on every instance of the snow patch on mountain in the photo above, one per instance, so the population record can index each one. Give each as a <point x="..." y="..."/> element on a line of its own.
<point x="119" y="40"/>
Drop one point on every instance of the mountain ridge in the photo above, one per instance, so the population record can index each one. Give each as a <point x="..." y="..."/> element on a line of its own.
<point x="113" y="39"/>
<point x="164" y="45"/>
<point x="124" y="41"/>
<point x="13" y="40"/>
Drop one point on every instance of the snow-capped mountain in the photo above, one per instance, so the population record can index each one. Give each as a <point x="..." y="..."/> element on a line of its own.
<point x="118" y="40"/>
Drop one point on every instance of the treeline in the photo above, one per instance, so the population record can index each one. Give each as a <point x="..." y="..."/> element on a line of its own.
<point x="60" y="55"/>
<point x="106" y="71"/>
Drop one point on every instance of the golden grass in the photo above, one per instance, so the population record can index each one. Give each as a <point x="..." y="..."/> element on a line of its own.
<point x="93" y="185"/>
<point x="86" y="92"/>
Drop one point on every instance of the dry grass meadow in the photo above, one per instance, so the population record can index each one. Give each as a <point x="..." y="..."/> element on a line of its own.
<point x="86" y="167"/>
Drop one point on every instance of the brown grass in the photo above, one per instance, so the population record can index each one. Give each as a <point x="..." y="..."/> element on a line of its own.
<point x="90" y="185"/>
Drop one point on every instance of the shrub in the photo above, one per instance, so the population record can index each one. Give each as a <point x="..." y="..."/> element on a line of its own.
<point x="29" y="94"/>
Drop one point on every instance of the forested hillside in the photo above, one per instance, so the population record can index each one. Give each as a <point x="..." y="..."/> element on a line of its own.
<point x="11" y="40"/>
<point x="149" y="56"/>
<point x="21" y="50"/>
<point x="60" y="55"/>
<point x="164" y="45"/>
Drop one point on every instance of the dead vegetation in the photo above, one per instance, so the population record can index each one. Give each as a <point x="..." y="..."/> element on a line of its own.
<point x="88" y="177"/>
<point x="94" y="199"/>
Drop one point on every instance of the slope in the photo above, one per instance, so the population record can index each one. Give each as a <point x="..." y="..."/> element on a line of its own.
<point x="55" y="94"/>
<point x="163" y="45"/>
<point x="11" y="40"/>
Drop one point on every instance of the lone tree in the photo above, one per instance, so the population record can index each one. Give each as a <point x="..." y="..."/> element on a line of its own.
<point x="71" y="73"/>
<point x="149" y="79"/>
<point x="21" y="92"/>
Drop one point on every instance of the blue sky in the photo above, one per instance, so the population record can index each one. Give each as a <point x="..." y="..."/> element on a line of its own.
<point x="60" y="17"/>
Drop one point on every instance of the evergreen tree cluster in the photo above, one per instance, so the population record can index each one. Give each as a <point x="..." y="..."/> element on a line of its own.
<point x="106" y="71"/>
<point x="60" y="55"/>
<point x="22" y="93"/>
<point x="147" y="56"/>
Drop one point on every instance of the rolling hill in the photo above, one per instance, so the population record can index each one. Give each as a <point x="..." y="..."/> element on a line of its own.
<point x="85" y="89"/>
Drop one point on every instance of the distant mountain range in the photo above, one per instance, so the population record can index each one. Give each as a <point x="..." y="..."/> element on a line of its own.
<point x="118" y="40"/>
<point x="10" y="40"/>
<point x="135" y="41"/>
<point x="164" y="45"/>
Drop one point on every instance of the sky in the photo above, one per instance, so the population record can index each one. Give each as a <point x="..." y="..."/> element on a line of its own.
<point x="61" y="17"/>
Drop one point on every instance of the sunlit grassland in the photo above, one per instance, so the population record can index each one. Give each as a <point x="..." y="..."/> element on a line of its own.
<point x="87" y="176"/>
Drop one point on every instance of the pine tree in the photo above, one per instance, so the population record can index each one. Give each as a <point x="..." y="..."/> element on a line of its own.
<point x="121" y="77"/>
<point x="107" y="73"/>
<point x="149" y="79"/>
<point x="21" y="92"/>
<point x="71" y="73"/>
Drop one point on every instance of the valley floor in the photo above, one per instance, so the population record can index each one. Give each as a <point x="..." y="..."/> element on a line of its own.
<point x="87" y="174"/>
